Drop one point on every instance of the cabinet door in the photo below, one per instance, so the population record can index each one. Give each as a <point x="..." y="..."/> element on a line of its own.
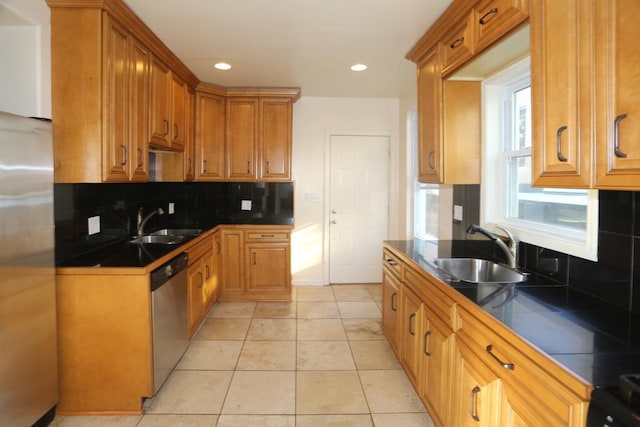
<point x="241" y="143"/>
<point x="411" y="334"/>
<point x="177" y="130"/>
<point x="275" y="139"/>
<point x="160" y="104"/>
<point x="232" y="261"/>
<point x="139" y="110"/>
<point x="209" y="137"/>
<point x="435" y="357"/>
<point x="209" y="287"/>
<point x="194" y="290"/>
<point x="116" y="59"/>
<point x="430" y="118"/>
<point x="267" y="267"/>
<point x="391" y="309"/>
<point x="494" y="19"/>
<point x="617" y="93"/>
<point x="560" y="95"/>
<point x="189" y="134"/>
<point x="476" y="391"/>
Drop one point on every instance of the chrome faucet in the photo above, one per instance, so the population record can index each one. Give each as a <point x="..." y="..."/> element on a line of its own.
<point x="510" y="251"/>
<point x="143" y="221"/>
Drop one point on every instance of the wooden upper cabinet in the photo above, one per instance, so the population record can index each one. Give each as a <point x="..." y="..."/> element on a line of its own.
<point x="242" y="138"/>
<point x="120" y="152"/>
<point x="189" y="134"/>
<point x="210" y="133"/>
<point x="617" y="93"/>
<point x="430" y="118"/>
<point x="560" y="94"/>
<point x="495" y="18"/>
<point x="275" y="139"/>
<point x="160" y="104"/>
<point x="458" y="46"/>
<point x="178" y="91"/>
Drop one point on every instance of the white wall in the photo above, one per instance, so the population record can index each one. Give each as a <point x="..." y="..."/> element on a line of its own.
<point x="314" y="119"/>
<point x="25" y="49"/>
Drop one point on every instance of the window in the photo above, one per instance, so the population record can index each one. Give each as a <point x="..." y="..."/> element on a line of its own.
<point x="560" y="219"/>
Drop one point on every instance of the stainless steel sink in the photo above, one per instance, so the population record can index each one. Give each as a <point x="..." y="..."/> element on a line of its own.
<point x="476" y="270"/>
<point x="188" y="232"/>
<point x="158" y="239"/>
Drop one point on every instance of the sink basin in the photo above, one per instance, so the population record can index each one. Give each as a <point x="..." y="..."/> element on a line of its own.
<point x="476" y="270"/>
<point x="158" y="240"/>
<point x="177" y="232"/>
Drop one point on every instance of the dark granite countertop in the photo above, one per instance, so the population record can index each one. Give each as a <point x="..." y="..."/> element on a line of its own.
<point x="121" y="253"/>
<point x="593" y="339"/>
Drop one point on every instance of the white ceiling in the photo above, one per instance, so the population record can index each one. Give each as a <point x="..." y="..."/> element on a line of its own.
<point x="296" y="43"/>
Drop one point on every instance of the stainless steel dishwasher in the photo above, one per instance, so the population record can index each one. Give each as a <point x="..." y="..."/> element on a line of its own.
<point x="169" y="311"/>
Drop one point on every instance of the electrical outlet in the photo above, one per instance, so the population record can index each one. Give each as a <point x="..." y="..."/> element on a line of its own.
<point x="457" y="213"/>
<point x="245" y="205"/>
<point x="172" y="208"/>
<point x="93" y="225"/>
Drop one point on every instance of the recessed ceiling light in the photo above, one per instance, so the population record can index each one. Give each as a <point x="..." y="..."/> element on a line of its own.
<point x="222" y="66"/>
<point x="358" y="67"/>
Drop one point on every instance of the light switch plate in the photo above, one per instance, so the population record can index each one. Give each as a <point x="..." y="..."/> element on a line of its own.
<point x="245" y="205"/>
<point x="457" y="213"/>
<point x="93" y="224"/>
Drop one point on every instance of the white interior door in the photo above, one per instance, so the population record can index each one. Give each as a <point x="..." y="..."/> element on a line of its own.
<point x="359" y="193"/>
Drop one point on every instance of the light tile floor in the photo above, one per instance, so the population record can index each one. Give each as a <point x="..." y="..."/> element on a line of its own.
<point x="319" y="361"/>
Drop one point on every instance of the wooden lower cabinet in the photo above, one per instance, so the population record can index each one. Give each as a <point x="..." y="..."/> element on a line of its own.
<point x="255" y="263"/>
<point x="458" y="358"/>
<point x="104" y="342"/>
<point x="411" y="312"/>
<point x="476" y="390"/>
<point x="390" y="308"/>
<point x="436" y="352"/>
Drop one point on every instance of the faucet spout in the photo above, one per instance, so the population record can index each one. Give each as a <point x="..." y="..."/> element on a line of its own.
<point x="143" y="221"/>
<point x="510" y="251"/>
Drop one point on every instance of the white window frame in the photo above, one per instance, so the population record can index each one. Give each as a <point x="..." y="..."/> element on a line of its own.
<point x="493" y="197"/>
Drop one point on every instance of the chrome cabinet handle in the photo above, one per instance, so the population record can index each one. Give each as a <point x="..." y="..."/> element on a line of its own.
<point x="411" y="317"/>
<point x="201" y="281"/>
<point x="474" y="406"/>
<point x="509" y="366"/>
<point x="189" y="163"/>
<point x="175" y="131"/>
<point x="140" y="157"/>
<point x="616" y="137"/>
<point x="424" y="346"/>
<point x="166" y="127"/>
<point x="394" y="307"/>
<point x="431" y="155"/>
<point x="249" y="167"/>
<point x="206" y="267"/>
<point x="267" y="166"/>
<point x="124" y="154"/>
<point x="559" y="143"/>
<point x="457" y="42"/>
<point x="218" y="245"/>
<point x="392" y="262"/>
<point x="254" y="259"/>
<point x="483" y="20"/>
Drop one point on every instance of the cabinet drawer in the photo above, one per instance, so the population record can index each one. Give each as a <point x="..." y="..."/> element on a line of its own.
<point x="495" y="18"/>
<point x="267" y="236"/>
<point x="457" y="46"/>
<point x="436" y="300"/>
<point x="534" y="378"/>
<point x="197" y="251"/>
<point x="393" y="263"/>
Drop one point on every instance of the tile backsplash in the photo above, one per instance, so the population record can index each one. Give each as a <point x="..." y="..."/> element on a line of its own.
<point x="614" y="278"/>
<point x="197" y="205"/>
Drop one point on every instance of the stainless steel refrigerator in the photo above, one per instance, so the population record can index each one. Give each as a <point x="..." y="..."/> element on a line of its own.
<point x="28" y="351"/>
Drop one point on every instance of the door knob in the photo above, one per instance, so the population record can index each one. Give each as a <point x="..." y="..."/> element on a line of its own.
<point x="333" y="211"/>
